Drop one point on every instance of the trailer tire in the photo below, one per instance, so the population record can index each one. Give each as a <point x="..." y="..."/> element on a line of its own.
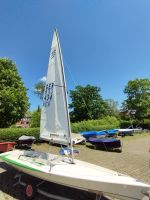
<point x="30" y="191"/>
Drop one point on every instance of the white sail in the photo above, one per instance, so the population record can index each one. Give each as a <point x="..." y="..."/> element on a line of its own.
<point x="54" y="125"/>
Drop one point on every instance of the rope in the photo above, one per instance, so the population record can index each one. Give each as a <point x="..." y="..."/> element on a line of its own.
<point x="75" y="84"/>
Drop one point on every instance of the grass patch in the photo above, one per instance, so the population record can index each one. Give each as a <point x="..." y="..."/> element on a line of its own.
<point x="136" y="136"/>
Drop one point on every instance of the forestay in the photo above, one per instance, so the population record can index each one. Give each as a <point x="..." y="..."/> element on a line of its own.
<point x="54" y="125"/>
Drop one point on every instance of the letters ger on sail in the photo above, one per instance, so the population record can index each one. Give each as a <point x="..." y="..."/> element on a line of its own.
<point x="54" y="124"/>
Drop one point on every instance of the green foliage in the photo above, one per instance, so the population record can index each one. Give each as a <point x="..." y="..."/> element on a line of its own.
<point x="146" y="124"/>
<point x="126" y="123"/>
<point x="102" y="124"/>
<point x="39" y="89"/>
<point x="13" y="94"/>
<point x="112" y="107"/>
<point x="138" y="97"/>
<point x="12" y="134"/>
<point x="35" y="118"/>
<point x="87" y="103"/>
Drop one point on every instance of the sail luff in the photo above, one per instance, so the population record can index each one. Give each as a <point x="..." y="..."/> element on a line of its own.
<point x="54" y="116"/>
<point x="65" y="92"/>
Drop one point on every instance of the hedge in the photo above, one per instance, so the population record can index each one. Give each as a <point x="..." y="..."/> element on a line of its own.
<point x="12" y="134"/>
<point x="101" y="124"/>
<point x="126" y="123"/>
<point x="145" y="124"/>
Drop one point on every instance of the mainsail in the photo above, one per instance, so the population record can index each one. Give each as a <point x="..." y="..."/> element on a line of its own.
<point x="55" y="124"/>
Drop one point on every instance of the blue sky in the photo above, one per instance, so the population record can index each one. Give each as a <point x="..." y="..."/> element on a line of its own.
<point x="104" y="43"/>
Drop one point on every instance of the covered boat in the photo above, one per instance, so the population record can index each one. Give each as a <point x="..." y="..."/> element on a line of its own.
<point x="99" y="134"/>
<point x="126" y="131"/>
<point x="105" y="143"/>
<point x="88" y="134"/>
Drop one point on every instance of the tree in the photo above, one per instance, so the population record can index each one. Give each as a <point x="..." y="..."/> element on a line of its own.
<point x="13" y="94"/>
<point x="39" y="89"/>
<point x="112" y="107"/>
<point x="138" y="97"/>
<point x="87" y="103"/>
<point x="35" y="118"/>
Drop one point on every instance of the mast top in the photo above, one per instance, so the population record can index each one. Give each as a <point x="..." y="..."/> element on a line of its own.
<point x="55" y="30"/>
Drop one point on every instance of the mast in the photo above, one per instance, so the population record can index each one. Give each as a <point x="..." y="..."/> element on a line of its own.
<point x="66" y="99"/>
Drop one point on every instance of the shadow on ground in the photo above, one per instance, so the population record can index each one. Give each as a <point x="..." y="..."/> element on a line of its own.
<point x="119" y="150"/>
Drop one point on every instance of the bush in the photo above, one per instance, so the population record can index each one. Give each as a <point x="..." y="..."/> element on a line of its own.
<point x="146" y="124"/>
<point x="102" y="124"/>
<point x="12" y="134"/>
<point x="35" y="119"/>
<point x="125" y="123"/>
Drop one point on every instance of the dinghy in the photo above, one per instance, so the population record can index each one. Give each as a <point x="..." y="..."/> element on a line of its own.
<point x="66" y="170"/>
<point x="112" y="132"/>
<point x="105" y="143"/>
<point x="99" y="134"/>
<point x="88" y="134"/>
<point x="126" y="131"/>
<point x="6" y="146"/>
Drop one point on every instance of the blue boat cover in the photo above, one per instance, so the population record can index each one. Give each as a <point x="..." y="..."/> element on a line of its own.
<point x="112" y="131"/>
<point x="89" y="134"/>
<point x="105" y="143"/>
<point x="67" y="150"/>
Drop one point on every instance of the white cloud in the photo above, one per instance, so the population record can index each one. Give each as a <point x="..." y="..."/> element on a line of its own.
<point x="43" y="79"/>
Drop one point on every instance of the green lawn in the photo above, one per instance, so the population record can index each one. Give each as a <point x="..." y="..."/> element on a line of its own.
<point x="135" y="136"/>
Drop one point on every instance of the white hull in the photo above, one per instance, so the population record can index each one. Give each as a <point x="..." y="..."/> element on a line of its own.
<point x="130" y="129"/>
<point x="81" y="175"/>
<point x="126" y="130"/>
<point x="76" y="139"/>
<point x="137" y="130"/>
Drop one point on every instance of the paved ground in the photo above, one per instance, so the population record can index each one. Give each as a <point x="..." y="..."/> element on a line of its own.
<point x="134" y="161"/>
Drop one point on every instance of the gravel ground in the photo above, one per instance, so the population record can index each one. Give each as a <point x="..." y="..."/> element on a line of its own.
<point x="134" y="161"/>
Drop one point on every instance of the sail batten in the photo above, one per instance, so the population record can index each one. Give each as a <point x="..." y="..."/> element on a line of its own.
<point x="54" y="125"/>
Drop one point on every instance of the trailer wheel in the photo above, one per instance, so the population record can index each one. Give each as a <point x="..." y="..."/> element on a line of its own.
<point x="30" y="191"/>
<point x="121" y="148"/>
<point x="95" y="147"/>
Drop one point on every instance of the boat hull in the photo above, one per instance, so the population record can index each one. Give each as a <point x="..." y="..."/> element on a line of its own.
<point x="6" y="146"/>
<point x="80" y="175"/>
<point x="99" y="134"/>
<point x="124" y="132"/>
<point x="105" y="143"/>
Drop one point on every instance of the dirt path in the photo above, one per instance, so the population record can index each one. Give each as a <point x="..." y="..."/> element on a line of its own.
<point x="134" y="161"/>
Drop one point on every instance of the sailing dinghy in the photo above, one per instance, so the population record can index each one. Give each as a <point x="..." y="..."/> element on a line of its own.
<point x="66" y="170"/>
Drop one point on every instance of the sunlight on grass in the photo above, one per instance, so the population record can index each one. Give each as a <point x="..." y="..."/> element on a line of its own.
<point x="135" y="136"/>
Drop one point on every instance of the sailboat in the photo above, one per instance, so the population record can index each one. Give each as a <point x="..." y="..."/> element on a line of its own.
<point x="66" y="170"/>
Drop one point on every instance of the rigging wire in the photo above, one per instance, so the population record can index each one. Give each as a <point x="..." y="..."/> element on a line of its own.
<point x="75" y="84"/>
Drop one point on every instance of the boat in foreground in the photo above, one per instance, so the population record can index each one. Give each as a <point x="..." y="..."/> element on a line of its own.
<point x="81" y="175"/>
